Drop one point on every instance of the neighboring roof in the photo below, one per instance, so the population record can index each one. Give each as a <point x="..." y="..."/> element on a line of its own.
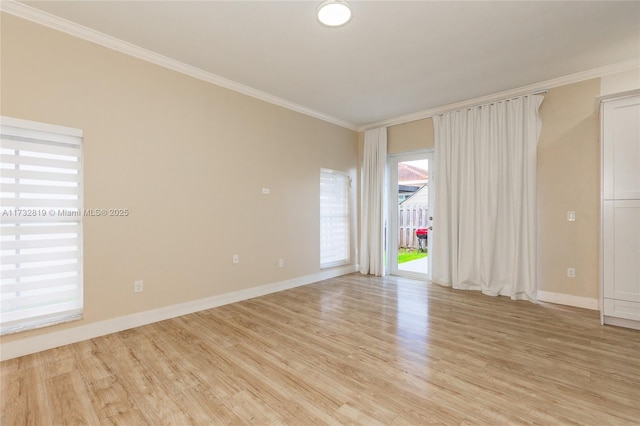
<point x="409" y="173"/>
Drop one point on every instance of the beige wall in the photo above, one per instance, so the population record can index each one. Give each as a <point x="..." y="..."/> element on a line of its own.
<point x="413" y="136"/>
<point x="569" y="179"/>
<point x="620" y="82"/>
<point x="188" y="159"/>
<point x="407" y="137"/>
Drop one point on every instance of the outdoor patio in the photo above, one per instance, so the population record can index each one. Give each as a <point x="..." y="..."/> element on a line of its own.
<point x="419" y="265"/>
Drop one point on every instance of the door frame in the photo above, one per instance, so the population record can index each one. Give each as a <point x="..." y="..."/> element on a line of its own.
<point x="392" y="238"/>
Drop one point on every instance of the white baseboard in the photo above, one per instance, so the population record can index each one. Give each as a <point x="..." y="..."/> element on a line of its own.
<point x="569" y="300"/>
<point x="621" y="322"/>
<point x="89" y="331"/>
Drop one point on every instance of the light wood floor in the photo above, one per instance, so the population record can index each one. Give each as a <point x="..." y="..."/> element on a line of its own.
<point x="350" y="350"/>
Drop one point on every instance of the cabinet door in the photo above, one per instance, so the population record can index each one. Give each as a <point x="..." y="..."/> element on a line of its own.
<point x="621" y="245"/>
<point x="621" y="148"/>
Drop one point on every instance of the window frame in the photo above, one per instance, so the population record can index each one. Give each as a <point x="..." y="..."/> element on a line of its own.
<point x="48" y="143"/>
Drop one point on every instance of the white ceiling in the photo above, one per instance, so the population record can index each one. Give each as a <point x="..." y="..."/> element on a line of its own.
<point x="394" y="58"/>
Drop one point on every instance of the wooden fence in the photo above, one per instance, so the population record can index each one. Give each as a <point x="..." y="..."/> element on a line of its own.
<point x="410" y="218"/>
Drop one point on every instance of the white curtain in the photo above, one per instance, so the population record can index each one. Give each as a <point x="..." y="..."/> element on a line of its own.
<point x="484" y="235"/>
<point x="373" y="205"/>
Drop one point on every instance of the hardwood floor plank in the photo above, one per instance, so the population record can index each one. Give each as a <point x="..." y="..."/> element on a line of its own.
<point x="24" y="399"/>
<point x="107" y="391"/>
<point x="69" y="402"/>
<point x="350" y="350"/>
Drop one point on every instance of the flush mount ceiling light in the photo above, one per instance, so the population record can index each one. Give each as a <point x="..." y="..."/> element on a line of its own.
<point x="334" y="13"/>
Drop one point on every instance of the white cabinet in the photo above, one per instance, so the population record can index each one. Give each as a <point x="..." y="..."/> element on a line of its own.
<point x="621" y="148"/>
<point x="621" y="258"/>
<point x="620" y="244"/>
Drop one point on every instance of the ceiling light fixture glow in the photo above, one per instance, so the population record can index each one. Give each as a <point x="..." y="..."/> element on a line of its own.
<point x="334" y="13"/>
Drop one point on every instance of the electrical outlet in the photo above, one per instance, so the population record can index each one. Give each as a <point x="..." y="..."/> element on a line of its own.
<point x="281" y="263"/>
<point x="571" y="216"/>
<point x="138" y="286"/>
<point x="571" y="272"/>
<point x="236" y="259"/>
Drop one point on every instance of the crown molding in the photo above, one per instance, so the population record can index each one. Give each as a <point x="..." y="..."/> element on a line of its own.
<point x="524" y="90"/>
<point x="32" y="14"/>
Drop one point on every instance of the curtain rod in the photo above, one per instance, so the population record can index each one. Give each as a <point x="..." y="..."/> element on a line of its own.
<point x="538" y="92"/>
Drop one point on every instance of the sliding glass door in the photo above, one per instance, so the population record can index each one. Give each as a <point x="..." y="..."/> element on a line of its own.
<point x="410" y="215"/>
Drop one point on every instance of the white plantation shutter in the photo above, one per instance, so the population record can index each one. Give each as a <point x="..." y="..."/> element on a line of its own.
<point x="40" y="224"/>
<point x="334" y="218"/>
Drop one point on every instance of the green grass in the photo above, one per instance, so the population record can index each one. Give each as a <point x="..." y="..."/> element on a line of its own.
<point x="405" y="255"/>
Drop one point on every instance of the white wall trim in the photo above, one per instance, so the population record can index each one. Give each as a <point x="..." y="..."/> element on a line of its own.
<point x="621" y="322"/>
<point x="24" y="11"/>
<point x="531" y="88"/>
<point x="89" y="331"/>
<point x="611" y="96"/>
<point x="569" y="300"/>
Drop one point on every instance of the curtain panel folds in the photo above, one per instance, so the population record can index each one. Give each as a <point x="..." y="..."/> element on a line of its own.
<point x="373" y="217"/>
<point x="485" y="204"/>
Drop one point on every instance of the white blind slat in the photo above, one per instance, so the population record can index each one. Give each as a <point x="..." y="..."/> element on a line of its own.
<point x="50" y="230"/>
<point x="39" y="175"/>
<point x="48" y="148"/>
<point x="26" y="319"/>
<point x="38" y="285"/>
<point x="51" y="296"/>
<point x="42" y="131"/>
<point x="21" y="126"/>
<point x="41" y="244"/>
<point x="11" y="203"/>
<point x="43" y="216"/>
<point x="44" y="270"/>
<point x="19" y="160"/>
<point x="28" y="322"/>
<point x="38" y="257"/>
<point x="37" y="189"/>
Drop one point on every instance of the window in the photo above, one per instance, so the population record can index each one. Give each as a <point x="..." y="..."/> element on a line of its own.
<point x="334" y="218"/>
<point x="40" y="224"/>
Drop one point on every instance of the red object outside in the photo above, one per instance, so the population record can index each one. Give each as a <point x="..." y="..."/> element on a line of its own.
<point x="422" y="232"/>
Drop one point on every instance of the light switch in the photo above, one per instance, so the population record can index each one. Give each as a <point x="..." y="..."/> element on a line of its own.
<point x="266" y="191"/>
<point x="571" y="216"/>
